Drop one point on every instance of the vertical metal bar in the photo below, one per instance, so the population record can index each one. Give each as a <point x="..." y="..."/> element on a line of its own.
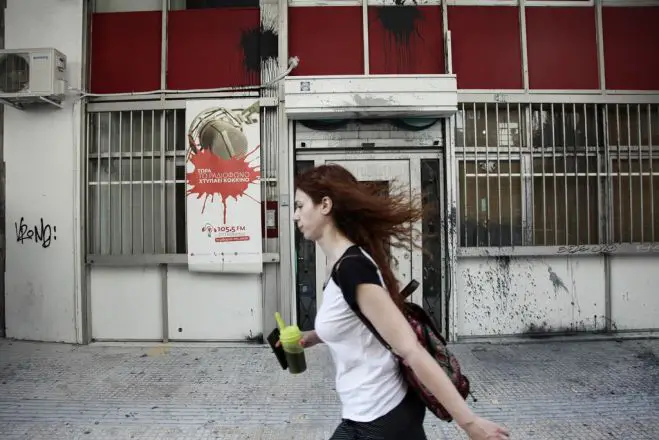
<point x="567" y="234"/>
<point x="121" y="185"/>
<point x="600" y="162"/>
<point x="576" y="174"/>
<point x="510" y="171"/>
<point x="606" y="182"/>
<point x="619" y="174"/>
<point x="586" y="141"/>
<point x="109" y="204"/>
<point x="525" y="138"/>
<point x="607" y="224"/>
<point x="130" y="186"/>
<point x="544" y="177"/>
<point x="498" y="141"/>
<point x="553" y="140"/>
<point x="640" y="169"/>
<point x="163" y="186"/>
<point x="88" y="187"/>
<point x="97" y="240"/>
<point x="153" y="181"/>
<point x="164" y="303"/>
<point x="476" y="201"/>
<point x="174" y="239"/>
<point x="464" y="173"/>
<point x="653" y="237"/>
<point x="487" y="176"/>
<point x="630" y="174"/>
<point x="142" y="181"/>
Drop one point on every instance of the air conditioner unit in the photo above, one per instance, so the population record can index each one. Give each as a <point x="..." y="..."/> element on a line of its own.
<point x="29" y="76"/>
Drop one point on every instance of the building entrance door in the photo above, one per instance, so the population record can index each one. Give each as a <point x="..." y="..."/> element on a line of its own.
<point x="412" y="173"/>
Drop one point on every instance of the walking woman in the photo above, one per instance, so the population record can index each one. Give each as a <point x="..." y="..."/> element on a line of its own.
<point x="351" y="218"/>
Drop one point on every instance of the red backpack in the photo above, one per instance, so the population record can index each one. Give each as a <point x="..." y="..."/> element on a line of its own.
<point x="431" y="339"/>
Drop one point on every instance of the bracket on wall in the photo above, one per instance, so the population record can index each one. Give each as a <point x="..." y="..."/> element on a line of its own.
<point x="20" y="106"/>
<point x="11" y="104"/>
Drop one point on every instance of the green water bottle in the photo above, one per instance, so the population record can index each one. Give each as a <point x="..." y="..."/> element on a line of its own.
<point x="290" y="337"/>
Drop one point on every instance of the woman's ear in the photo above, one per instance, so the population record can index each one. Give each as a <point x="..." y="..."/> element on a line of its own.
<point x="326" y="205"/>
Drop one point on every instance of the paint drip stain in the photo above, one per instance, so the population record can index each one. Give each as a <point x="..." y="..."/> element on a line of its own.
<point x="225" y="178"/>
<point x="556" y="281"/>
<point x="400" y="23"/>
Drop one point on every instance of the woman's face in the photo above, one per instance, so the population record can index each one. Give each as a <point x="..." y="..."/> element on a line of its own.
<point x="311" y="218"/>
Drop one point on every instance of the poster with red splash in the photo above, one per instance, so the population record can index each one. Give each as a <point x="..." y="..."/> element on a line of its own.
<point x="223" y="186"/>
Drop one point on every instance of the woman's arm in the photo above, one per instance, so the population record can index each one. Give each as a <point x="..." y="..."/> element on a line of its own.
<point x="376" y="304"/>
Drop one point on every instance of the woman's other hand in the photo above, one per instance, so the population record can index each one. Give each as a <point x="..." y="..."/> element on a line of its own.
<point x="482" y="429"/>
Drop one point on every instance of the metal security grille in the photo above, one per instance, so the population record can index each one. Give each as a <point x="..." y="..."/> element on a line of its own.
<point x="136" y="200"/>
<point x="557" y="174"/>
<point x="136" y="182"/>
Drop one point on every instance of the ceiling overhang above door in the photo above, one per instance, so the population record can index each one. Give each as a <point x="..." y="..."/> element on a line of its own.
<point x="373" y="96"/>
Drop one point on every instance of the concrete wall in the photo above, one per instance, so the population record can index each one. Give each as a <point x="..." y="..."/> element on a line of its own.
<point x="42" y="154"/>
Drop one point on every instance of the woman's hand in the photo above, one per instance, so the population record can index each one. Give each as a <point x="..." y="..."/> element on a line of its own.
<point x="482" y="429"/>
<point x="309" y="339"/>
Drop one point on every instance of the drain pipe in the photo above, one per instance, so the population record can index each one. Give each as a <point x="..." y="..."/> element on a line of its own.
<point x="286" y="290"/>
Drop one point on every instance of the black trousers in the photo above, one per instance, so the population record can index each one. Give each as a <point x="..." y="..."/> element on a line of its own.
<point x="405" y="422"/>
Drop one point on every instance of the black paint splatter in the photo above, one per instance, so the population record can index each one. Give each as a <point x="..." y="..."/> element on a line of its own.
<point x="400" y="21"/>
<point x="258" y="44"/>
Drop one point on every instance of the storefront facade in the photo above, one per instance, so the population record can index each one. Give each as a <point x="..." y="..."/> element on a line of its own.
<point x="530" y="127"/>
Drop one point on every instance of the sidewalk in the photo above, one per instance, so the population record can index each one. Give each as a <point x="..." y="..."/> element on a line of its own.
<point x="546" y="390"/>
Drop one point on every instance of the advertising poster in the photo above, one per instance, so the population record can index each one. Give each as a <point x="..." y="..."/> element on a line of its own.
<point x="223" y="188"/>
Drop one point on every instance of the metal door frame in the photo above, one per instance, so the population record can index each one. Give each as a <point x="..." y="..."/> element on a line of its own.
<point x="414" y="158"/>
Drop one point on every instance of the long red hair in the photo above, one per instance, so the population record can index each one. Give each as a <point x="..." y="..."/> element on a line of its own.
<point x="367" y="216"/>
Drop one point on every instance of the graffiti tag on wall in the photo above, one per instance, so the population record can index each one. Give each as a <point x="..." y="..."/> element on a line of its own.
<point x="42" y="233"/>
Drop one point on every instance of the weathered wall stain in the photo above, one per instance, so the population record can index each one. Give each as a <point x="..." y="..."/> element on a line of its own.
<point x="545" y="330"/>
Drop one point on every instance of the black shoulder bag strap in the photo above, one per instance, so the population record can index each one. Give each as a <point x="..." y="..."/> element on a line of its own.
<point x="355" y="308"/>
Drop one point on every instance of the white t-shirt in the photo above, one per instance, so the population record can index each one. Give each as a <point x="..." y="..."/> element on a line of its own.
<point x="368" y="379"/>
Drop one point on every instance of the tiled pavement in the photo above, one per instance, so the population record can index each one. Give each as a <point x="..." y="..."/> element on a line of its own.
<point x="548" y="390"/>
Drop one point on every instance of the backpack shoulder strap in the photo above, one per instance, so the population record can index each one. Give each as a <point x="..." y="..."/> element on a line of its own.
<point x="358" y="312"/>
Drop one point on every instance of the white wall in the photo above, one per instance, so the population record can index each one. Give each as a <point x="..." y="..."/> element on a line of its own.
<point x="634" y="292"/>
<point x="42" y="150"/>
<point x="126" y="304"/>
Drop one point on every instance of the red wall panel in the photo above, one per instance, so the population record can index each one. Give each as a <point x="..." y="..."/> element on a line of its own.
<point x="486" y="47"/>
<point x="406" y="40"/>
<point x="328" y="40"/>
<point x="562" y="48"/>
<point x="210" y="48"/>
<point x="631" y="48"/>
<point x="125" y="52"/>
